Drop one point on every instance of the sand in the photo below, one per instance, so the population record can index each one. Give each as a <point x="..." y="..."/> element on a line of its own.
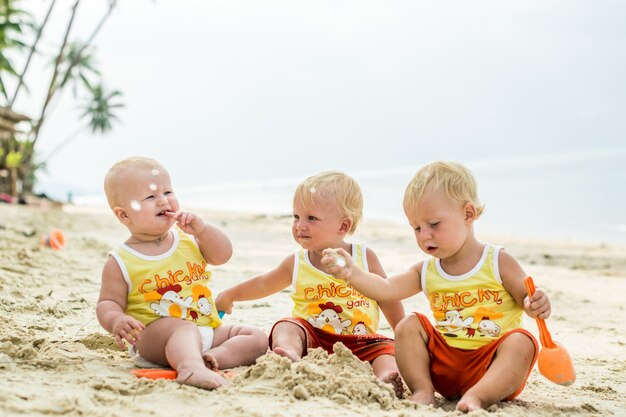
<point x="55" y="359"/>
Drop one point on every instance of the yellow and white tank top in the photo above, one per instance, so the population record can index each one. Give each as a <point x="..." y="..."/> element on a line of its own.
<point x="330" y="304"/>
<point x="473" y="309"/>
<point x="173" y="284"/>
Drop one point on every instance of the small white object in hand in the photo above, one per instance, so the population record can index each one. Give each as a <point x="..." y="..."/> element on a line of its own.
<point x="340" y="261"/>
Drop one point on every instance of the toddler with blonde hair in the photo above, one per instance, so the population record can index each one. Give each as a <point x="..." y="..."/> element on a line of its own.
<point x="476" y="350"/>
<point x="327" y="208"/>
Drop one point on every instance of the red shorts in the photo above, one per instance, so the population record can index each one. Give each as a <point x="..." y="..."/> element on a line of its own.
<point x="366" y="347"/>
<point x="454" y="371"/>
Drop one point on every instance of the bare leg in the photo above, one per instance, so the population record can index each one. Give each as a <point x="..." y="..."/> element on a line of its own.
<point x="386" y="370"/>
<point x="288" y="340"/>
<point x="175" y="342"/>
<point x="413" y="359"/>
<point x="505" y="374"/>
<point x="237" y="345"/>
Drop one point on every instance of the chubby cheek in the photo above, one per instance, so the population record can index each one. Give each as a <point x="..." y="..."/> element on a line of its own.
<point x="419" y="242"/>
<point x="454" y="236"/>
<point x="175" y="205"/>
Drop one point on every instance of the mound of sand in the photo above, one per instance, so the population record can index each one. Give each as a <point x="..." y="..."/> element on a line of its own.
<point x="340" y="377"/>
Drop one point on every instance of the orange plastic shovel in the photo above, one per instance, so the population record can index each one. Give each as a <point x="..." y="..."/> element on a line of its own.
<point x="554" y="361"/>
<point x="158" y="373"/>
<point x="155" y="373"/>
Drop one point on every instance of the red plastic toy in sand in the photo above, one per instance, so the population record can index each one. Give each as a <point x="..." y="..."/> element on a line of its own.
<point x="55" y="239"/>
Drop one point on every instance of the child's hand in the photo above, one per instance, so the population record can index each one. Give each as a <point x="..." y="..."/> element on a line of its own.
<point x="188" y="222"/>
<point x="127" y="328"/>
<point x="338" y="263"/>
<point x="538" y="305"/>
<point x="224" y="303"/>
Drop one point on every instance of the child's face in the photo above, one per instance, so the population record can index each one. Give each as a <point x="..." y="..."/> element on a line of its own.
<point x="441" y="225"/>
<point x="146" y="197"/>
<point x="319" y="226"/>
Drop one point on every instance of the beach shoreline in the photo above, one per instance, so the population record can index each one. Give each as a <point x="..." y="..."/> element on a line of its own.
<point x="50" y="339"/>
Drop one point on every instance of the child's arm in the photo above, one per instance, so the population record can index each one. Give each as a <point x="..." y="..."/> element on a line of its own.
<point x="393" y="310"/>
<point x="373" y="286"/>
<point x="257" y="287"/>
<point x="513" y="276"/>
<point x="112" y="304"/>
<point x="213" y="243"/>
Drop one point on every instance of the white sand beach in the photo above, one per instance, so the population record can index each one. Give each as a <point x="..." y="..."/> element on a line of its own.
<point x="55" y="359"/>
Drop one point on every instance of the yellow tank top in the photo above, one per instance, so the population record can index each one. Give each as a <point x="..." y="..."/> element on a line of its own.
<point x="173" y="284"/>
<point x="473" y="309"/>
<point x="330" y="304"/>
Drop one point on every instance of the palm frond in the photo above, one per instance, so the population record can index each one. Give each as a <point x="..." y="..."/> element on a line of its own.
<point x="99" y="109"/>
<point x="78" y="65"/>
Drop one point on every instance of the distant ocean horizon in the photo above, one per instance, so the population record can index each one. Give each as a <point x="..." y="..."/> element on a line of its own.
<point x="577" y="196"/>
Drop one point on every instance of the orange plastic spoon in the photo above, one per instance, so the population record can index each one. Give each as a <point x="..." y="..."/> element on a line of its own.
<point x="554" y="361"/>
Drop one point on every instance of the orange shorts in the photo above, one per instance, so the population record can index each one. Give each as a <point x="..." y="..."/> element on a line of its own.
<point x="454" y="371"/>
<point x="366" y="347"/>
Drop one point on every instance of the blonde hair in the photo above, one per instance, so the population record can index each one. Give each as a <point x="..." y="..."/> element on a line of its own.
<point x="336" y="185"/>
<point x="457" y="181"/>
<point x="116" y="175"/>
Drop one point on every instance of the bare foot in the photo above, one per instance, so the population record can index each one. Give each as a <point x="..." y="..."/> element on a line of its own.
<point x="201" y="377"/>
<point x="423" y="397"/>
<point x="395" y="380"/>
<point x="210" y="361"/>
<point x="469" y="403"/>
<point x="287" y="354"/>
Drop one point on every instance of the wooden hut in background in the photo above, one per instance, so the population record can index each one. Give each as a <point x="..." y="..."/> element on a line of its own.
<point x="9" y="177"/>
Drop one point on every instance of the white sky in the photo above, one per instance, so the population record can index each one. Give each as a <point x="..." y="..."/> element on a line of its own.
<point x="226" y="91"/>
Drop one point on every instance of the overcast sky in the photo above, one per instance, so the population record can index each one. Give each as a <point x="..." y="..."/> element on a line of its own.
<point x="226" y="91"/>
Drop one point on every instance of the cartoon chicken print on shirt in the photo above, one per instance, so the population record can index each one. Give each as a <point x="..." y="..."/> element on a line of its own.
<point x="454" y="323"/>
<point x="204" y="306"/>
<point x="329" y="320"/>
<point x="362" y="321"/>
<point x="359" y="328"/>
<point x="171" y="303"/>
<point x="201" y="295"/>
<point x="488" y="327"/>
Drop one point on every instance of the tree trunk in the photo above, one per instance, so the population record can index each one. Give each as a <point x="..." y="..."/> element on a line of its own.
<point x="27" y="156"/>
<point x="33" y="48"/>
<point x="52" y="88"/>
<point x="14" y="180"/>
<point x="112" y="4"/>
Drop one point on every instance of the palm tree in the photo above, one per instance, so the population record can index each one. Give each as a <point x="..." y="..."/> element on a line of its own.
<point x="78" y="64"/>
<point x="73" y="66"/>
<point x="12" y="20"/>
<point x="33" y="48"/>
<point x="99" y="109"/>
